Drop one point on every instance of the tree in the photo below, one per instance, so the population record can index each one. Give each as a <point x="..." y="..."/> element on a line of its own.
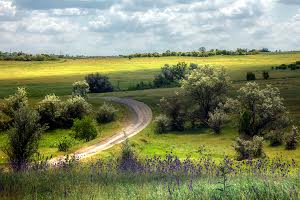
<point x="173" y="109"/>
<point x="16" y="101"/>
<point x="99" y="83"/>
<point x="80" y="88"/>
<point x="265" y="75"/>
<point x="106" y="113"/>
<point x="50" y="110"/>
<point x="85" y="128"/>
<point x="292" y="139"/>
<point x="162" y="124"/>
<point x="249" y="149"/>
<point x="23" y="137"/>
<point x="217" y="119"/>
<point x="206" y="87"/>
<point x="202" y="49"/>
<point x="259" y="110"/>
<point x="250" y="76"/>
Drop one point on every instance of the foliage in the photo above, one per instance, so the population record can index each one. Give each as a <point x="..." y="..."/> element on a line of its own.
<point x="250" y="76"/>
<point x="275" y="137"/>
<point x="5" y="121"/>
<point x="85" y="128"/>
<point x="259" y="110"/>
<point x="76" y="107"/>
<point x="20" y="56"/>
<point x="99" y="83"/>
<point x="23" y="137"/>
<point x="80" y="88"/>
<point x="106" y="113"/>
<point x="265" y="75"/>
<point x="162" y="124"/>
<point x="127" y="161"/>
<point x="193" y="66"/>
<point x="50" y="111"/>
<point x="16" y="101"/>
<point x="217" y="119"/>
<point x="64" y="144"/>
<point x="142" y="86"/>
<point x="249" y="149"/>
<point x="173" y="109"/>
<point x="292" y="139"/>
<point x="206" y="87"/>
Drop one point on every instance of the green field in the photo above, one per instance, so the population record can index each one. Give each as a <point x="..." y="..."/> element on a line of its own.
<point x="41" y="78"/>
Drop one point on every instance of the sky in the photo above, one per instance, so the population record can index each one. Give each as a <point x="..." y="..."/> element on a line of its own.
<point x="114" y="27"/>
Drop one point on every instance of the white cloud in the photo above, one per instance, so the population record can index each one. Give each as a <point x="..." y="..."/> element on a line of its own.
<point x="7" y="9"/>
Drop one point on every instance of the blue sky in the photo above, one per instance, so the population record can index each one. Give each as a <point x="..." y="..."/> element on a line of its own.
<point x="113" y="27"/>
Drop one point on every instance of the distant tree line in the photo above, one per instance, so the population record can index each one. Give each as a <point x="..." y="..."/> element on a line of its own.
<point x="291" y="66"/>
<point x="202" y="52"/>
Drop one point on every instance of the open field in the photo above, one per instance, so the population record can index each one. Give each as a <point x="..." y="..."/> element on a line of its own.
<point x="57" y="76"/>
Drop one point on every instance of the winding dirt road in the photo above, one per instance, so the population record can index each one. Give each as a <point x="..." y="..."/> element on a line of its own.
<point x="140" y="117"/>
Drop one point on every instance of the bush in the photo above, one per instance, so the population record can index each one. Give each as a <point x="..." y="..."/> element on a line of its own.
<point x="193" y="66"/>
<point x="265" y="75"/>
<point x="106" y="113"/>
<point x="275" y="137"/>
<point x="80" y="88"/>
<point x="250" y="76"/>
<point x="99" y="83"/>
<point x="249" y="149"/>
<point x="128" y="161"/>
<point x="292" y="139"/>
<point x="23" y="137"/>
<point x="75" y="107"/>
<point x="85" y="128"/>
<point x="5" y="121"/>
<point x="16" y="101"/>
<point x="50" y="110"/>
<point x="162" y="124"/>
<point x="64" y="144"/>
<point x="217" y="119"/>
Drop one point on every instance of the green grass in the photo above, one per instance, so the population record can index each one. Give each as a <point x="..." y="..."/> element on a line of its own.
<point x="42" y="78"/>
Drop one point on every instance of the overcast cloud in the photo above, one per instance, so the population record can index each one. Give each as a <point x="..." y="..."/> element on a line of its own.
<point x="113" y="27"/>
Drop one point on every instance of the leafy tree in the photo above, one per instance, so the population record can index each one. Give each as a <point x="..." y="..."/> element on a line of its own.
<point x="50" y="110"/>
<point x="162" y="124"/>
<point x="85" y="128"/>
<point x="15" y="102"/>
<point x="99" y="83"/>
<point x="206" y="87"/>
<point x="249" y="149"/>
<point x="80" y="88"/>
<point x="217" y="119"/>
<point x="259" y="110"/>
<point x="23" y="137"/>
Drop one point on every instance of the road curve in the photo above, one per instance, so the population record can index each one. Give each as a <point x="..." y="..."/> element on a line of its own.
<point x="140" y="117"/>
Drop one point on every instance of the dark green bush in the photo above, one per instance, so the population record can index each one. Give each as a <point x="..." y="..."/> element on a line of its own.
<point x="250" y="76"/>
<point x="99" y="83"/>
<point x="275" y="137"/>
<point x="265" y="75"/>
<point x="292" y="139"/>
<point x="5" y="121"/>
<point x="106" y="113"/>
<point x="64" y="144"/>
<point x="85" y="128"/>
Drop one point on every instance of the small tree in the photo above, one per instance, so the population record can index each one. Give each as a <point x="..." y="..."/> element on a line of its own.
<point x="249" y="149"/>
<point x="98" y="83"/>
<point x="23" y="137"/>
<point x="50" y="110"/>
<point x="80" y="88"/>
<point x="292" y="139"/>
<point x="85" y="128"/>
<point x="250" y="76"/>
<point x="106" y="113"/>
<point x="265" y="75"/>
<point x="75" y="107"/>
<point x="162" y="124"/>
<point x="217" y="119"/>
<point x="206" y="87"/>
<point x="275" y="137"/>
<point x="16" y="101"/>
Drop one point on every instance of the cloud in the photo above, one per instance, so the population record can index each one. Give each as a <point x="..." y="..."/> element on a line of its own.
<point x="289" y="1"/>
<point x="7" y="9"/>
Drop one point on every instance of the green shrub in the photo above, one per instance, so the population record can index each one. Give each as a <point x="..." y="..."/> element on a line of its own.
<point x="85" y="128"/>
<point x="250" y="76"/>
<point x="292" y="139"/>
<point x="80" y="88"/>
<point x="99" y="83"/>
<point x="265" y="75"/>
<point x="64" y="144"/>
<point x="106" y="113"/>
<point x="275" y="137"/>
<point x="249" y="149"/>
<point x="162" y="124"/>
<point x="217" y="119"/>
<point x="75" y="107"/>
<point x="5" y="121"/>
<point x="16" y="101"/>
<point x="50" y="110"/>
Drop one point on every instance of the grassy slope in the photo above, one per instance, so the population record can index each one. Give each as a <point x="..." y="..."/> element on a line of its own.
<point x="45" y="77"/>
